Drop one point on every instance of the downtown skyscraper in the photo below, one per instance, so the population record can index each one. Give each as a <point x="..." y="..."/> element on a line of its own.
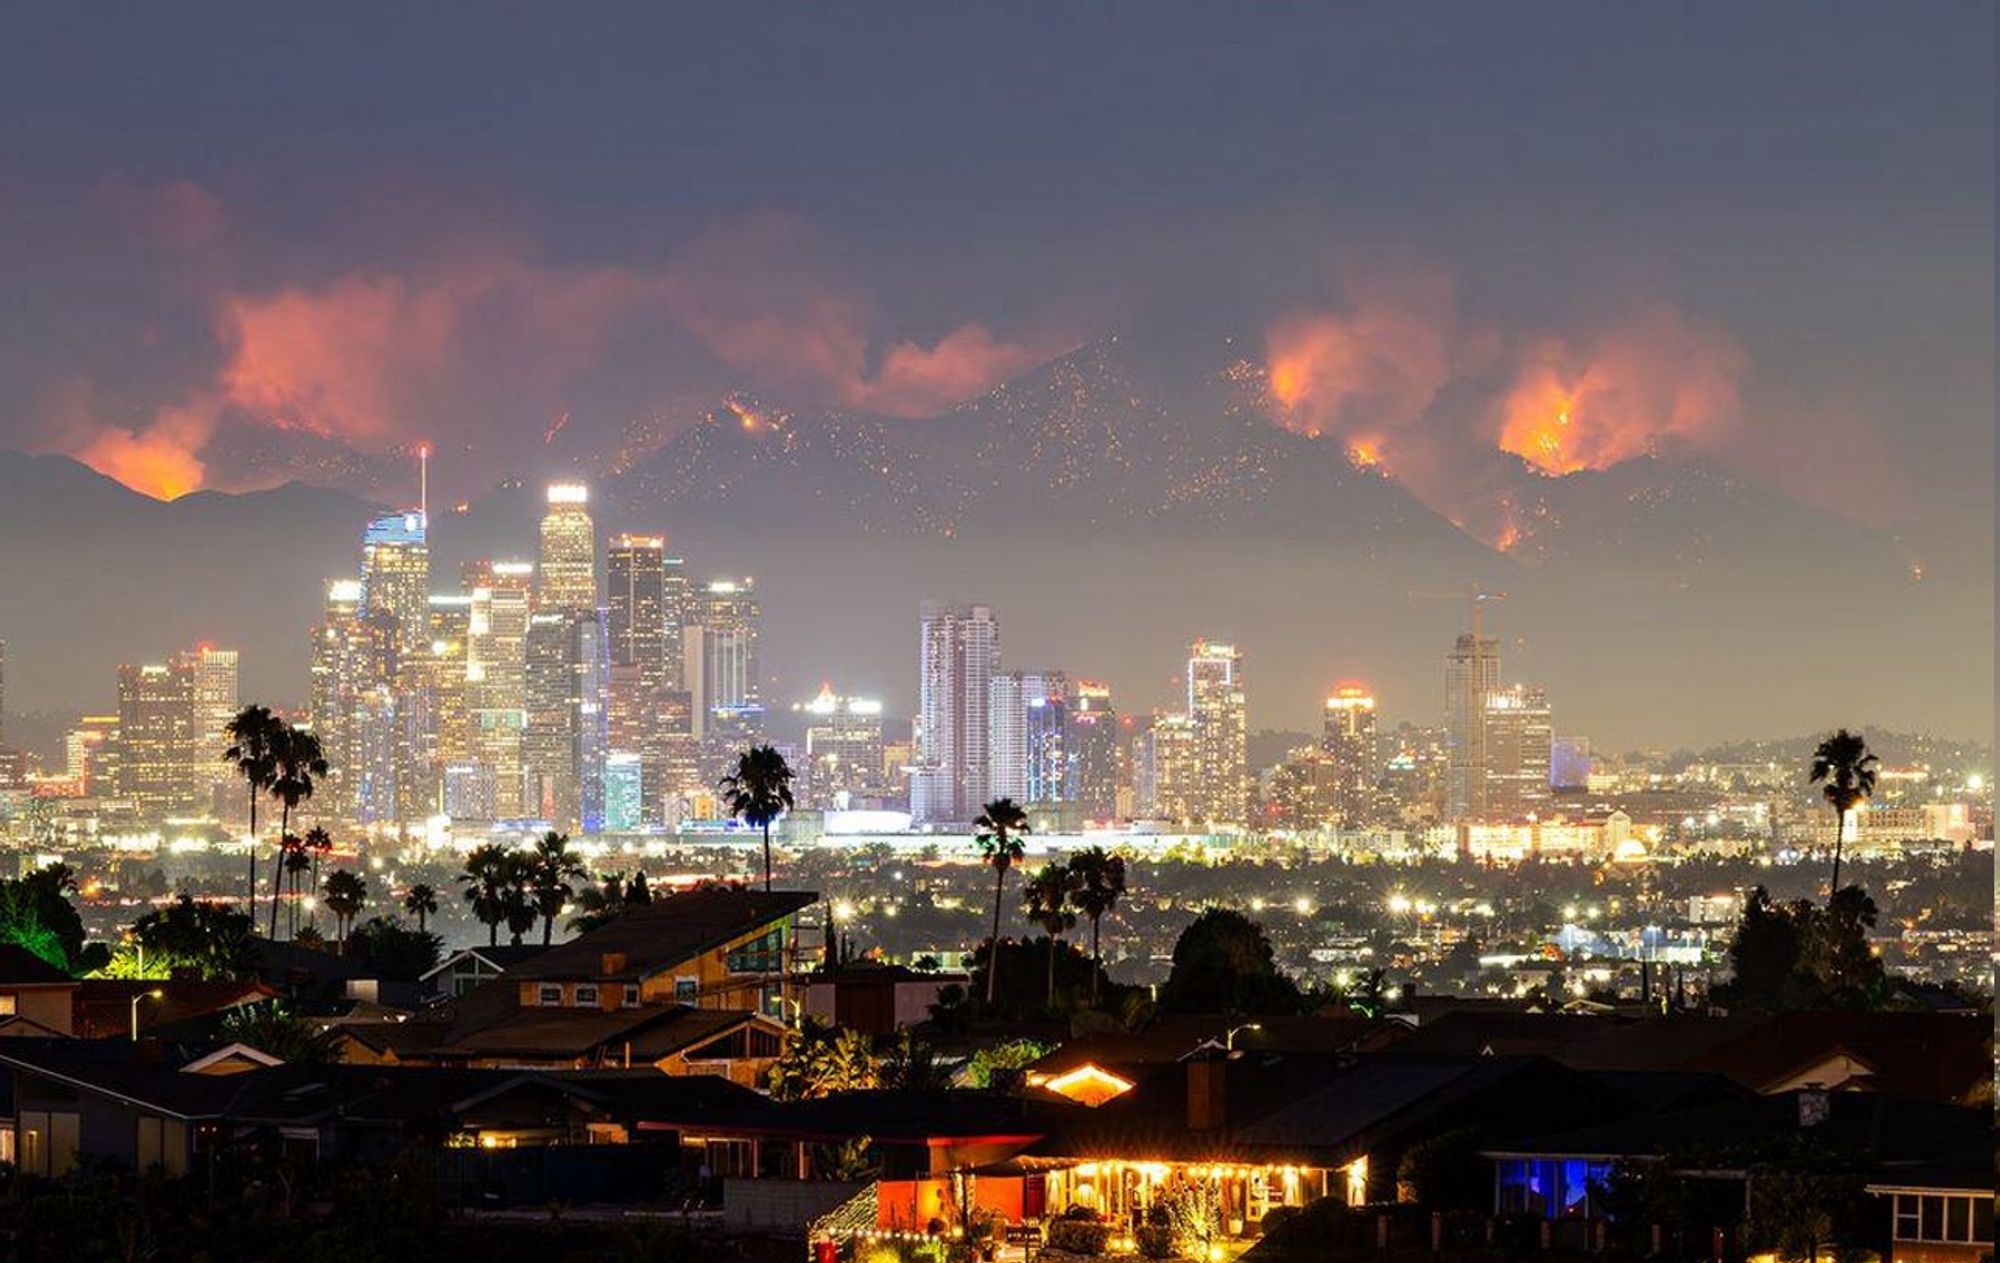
<point x="1349" y="741"/>
<point x="567" y="577"/>
<point x="958" y="652"/>
<point x="1218" y="714"/>
<point x="1024" y="758"/>
<point x="1471" y="674"/>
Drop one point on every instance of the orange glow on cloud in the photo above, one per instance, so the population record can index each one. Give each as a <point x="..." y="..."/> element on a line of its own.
<point x="1633" y="392"/>
<point x="161" y="460"/>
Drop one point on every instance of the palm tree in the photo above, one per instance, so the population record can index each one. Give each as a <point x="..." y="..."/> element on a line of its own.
<point x="758" y="792"/>
<point x="553" y="865"/>
<point x="296" y="759"/>
<point x="485" y="880"/>
<point x="1047" y="900"/>
<point x="517" y="900"/>
<point x="251" y="734"/>
<point x="293" y="860"/>
<point x="420" y="901"/>
<point x="1845" y="768"/>
<point x="317" y="843"/>
<point x="999" y="827"/>
<point x="612" y="897"/>
<point x="346" y="894"/>
<point x="1098" y="881"/>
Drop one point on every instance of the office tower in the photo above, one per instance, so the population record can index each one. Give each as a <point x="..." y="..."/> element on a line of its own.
<point x="643" y="666"/>
<point x="212" y="681"/>
<point x="396" y="575"/>
<point x="635" y="602"/>
<point x="1349" y="740"/>
<point x="379" y="757"/>
<point x="432" y="699"/>
<point x="332" y="680"/>
<point x="1304" y="790"/>
<point x="1093" y="749"/>
<point x="90" y="754"/>
<point x="155" y="736"/>
<point x="676" y="606"/>
<point x="1012" y="696"/>
<point x="1471" y="672"/>
<point x="1165" y="771"/>
<point x="1048" y="737"/>
<point x="1519" y="737"/>
<point x="731" y="695"/>
<point x="624" y="792"/>
<point x="496" y="671"/>
<point x="470" y="792"/>
<point x="563" y="741"/>
<point x="3" y="692"/>
<point x="958" y="652"/>
<point x="569" y="552"/>
<point x="843" y="765"/>
<point x="1217" y="711"/>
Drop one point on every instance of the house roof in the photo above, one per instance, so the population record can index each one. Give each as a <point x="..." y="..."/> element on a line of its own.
<point x="1175" y="1035"/>
<point x="500" y="959"/>
<point x="103" y="1006"/>
<point x="884" y="1116"/>
<point x="651" y="1032"/>
<point x="20" y="967"/>
<point x="665" y="932"/>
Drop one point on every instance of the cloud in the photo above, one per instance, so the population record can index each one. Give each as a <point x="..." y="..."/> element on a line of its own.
<point x="161" y="458"/>
<point x="178" y="214"/>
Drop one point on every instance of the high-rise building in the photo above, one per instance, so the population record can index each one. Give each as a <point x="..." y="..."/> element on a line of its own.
<point x="90" y="754"/>
<point x="396" y="575"/>
<point x="1094" y="750"/>
<point x="635" y="578"/>
<point x="156" y="768"/>
<point x="1471" y="672"/>
<point x="1021" y="764"/>
<point x="1165" y="770"/>
<point x="1218" y="712"/>
<point x="646" y="599"/>
<point x="1519" y="740"/>
<point x="624" y="792"/>
<point x="731" y="694"/>
<point x="1350" y="741"/>
<point x="568" y="574"/>
<point x="496" y="672"/>
<point x="958" y="652"/>
<point x="564" y="738"/>
<point x="843" y="751"/>
<point x="212" y="679"/>
<point x="3" y="692"/>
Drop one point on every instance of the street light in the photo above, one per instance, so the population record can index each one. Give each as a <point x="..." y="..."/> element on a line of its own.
<point x="154" y="994"/>
<point x="1229" y="1036"/>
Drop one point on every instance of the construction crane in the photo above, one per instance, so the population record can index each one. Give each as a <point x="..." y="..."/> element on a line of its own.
<point x="1477" y="595"/>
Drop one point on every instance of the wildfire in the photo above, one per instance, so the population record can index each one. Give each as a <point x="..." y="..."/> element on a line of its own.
<point x="1364" y="453"/>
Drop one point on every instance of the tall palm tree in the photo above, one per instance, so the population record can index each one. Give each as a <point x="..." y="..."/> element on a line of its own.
<point x="251" y="734"/>
<point x="296" y="759"/>
<point x="553" y="866"/>
<point x="485" y="880"/>
<point x="294" y="861"/>
<point x="317" y="844"/>
<point x="1098" y="884"/>
<point x="420" y="901"/>
<point x="999" y="828"/>
<point x="1047" y="902"/>
<point x="758" y="792"/>
<point x="517" y="900"/>
<point x="346" y="894"/>
<point x="1845" y="768"/>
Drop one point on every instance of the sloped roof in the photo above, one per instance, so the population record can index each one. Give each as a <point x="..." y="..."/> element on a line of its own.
<point x="20" y="967"/>
<point x="503" y="958"/>
<point x="665" y="932"/>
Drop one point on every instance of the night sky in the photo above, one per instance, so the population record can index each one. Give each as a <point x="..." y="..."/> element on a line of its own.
<point x="1762" y="235"/>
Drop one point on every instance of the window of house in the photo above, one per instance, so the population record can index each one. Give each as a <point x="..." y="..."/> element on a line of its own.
<point x="687" y="990"/>
<point x="1960" y="1218"/>
<point x="631" y="995"/>
<point x="764" y="954"/>
<point x="7" y="1003"/>
<point x="550" y="995"/>
<point x="586" y="996"/>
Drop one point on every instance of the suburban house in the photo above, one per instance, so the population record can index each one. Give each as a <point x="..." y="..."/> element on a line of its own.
<point x="1929" y="1163"/>
<point x="874" y="998"/>
<point x="457" y="974"/>
<point x="36" y="998"/>
<point x="694" y="983"/>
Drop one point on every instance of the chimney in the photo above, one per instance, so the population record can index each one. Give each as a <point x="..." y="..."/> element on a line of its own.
<point x="611" y="963"/>
<point x="1207" y="1092"/>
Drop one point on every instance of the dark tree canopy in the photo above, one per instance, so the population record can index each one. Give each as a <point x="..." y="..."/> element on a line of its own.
<point x="1223" y="964"/>
<point x="1802" y="955"/>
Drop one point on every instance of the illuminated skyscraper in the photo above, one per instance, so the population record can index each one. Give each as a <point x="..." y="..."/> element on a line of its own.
<point x="958" y="652"/>
<point x="396" y="575"/>
<point x="212" y="680"/>
<point x="1350" y="741"/>
<point x="1021" y="764"/>
<point x="496" y="673"/>
<point x="569" y="552"/>
<point x="1165" y="770"/>
<point x="641" y="672"/>
<point x="1093" y="749"/>
<point x="1219" y="715"/>
<point x="731" y="693"/>
<point x="1519" y="738"/>
<point x="843" y="751"/>
<point x="635" y="604"/>
<point x="155" y="735"/>
<point x="1471" y="672"/>
<point x="564" y="739"/>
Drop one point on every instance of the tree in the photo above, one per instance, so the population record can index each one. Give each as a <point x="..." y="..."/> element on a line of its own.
<point x="296" y="759"/>
<point x="999" y="827"/>
<point x="36" y="914"/>
<point x="252" y="736"/>
<point x="612" y="896"/>
<point x="818" y="1060"/>
<point x="485" y="880"/>
<point x="317" y="844"/>
<point x="1046" y="897"/>
<point x="1099" y="882"/>
<point x="552" y="866"/>
<point x="1801" y="955"/>
<point x="1223" y="964"/>
<point x="273" y="1028"/>
<point x="346" y="893"/>
<point x="421" y="902"/>
<point x="758" y="792"/>
<point x="395" y="951"/>
<point x="212" y="940"/>
<point x="1844" y="768"/>
<point x="517" y="901"/>
<point x="295" y="861"/>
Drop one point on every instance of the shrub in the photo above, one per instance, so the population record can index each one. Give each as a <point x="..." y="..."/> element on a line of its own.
<point x="1078" y="1236"/>
<point x="1155" y="1241"/>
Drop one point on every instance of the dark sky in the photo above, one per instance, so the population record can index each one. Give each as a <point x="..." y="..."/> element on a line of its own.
<point x="1760" y="233"/>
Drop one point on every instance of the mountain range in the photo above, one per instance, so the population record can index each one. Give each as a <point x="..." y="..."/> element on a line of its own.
<point x="1111" y="510"/>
